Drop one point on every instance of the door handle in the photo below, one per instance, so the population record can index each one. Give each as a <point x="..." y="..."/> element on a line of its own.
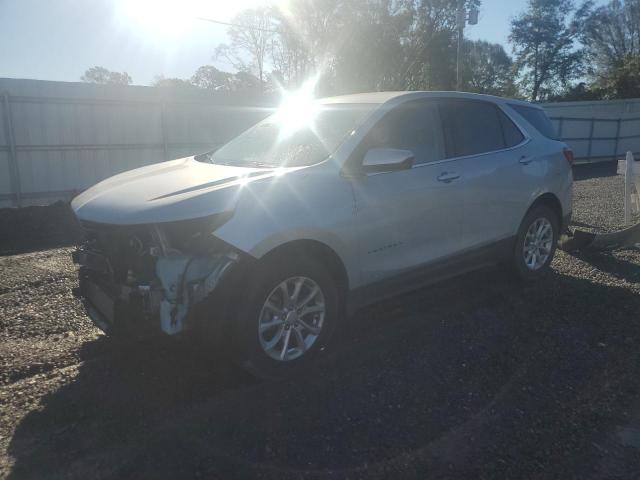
<point x="448" y="177"/>
<point x="524" y="160"/>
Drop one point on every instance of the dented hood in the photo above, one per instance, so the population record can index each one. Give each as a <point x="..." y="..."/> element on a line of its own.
<point x="164" y="192"/>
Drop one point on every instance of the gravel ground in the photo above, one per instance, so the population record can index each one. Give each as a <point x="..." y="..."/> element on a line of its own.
<point x="477" y="377"/>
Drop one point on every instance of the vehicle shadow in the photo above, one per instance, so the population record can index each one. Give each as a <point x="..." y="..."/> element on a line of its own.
<point x="612" y="264"/>
<point x="475" y="377"/>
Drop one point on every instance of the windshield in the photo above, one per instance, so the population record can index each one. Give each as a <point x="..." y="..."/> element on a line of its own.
<point x="293" y="137"/>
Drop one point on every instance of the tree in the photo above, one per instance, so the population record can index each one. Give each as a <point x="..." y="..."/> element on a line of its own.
<point x="371" y="53"/>
<point x="308" y="38"/>
<point x="209" y="77"/>
<point x="105" y="77"/>
<point x="612" y="42"/>
<point x="544" y="43"/>
<point x="582" y="91"/>
<point x="622" y="80"/>
<point x="245" y="81"/>
<point x="357" y="45"/>
<point x="487" y="68"/>
<point x="251" y="37"/>
<point x="431" y="44"/>
<point x="173" y="83"/>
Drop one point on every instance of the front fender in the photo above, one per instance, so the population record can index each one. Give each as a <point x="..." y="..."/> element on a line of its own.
<point x="295" y="207"/>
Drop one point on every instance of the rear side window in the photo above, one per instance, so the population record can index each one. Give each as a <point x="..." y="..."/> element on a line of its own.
<point x="471" y="127"/>
<point x="538" y="118"/>
<point x="512" y="135"/>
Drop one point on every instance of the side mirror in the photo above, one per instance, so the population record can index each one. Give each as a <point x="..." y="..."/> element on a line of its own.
<point x="387" y="160"/>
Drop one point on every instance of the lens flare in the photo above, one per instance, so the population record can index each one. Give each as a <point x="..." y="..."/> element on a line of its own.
<point x="297" y="109"/>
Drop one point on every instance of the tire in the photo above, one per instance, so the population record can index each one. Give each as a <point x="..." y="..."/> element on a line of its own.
<point x="531" y="267"/>
<point x="251" y="342"/>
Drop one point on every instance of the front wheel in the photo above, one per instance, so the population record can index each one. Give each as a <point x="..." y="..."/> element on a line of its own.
<point x="288" y="317"/>
<point x="536" y="243"/>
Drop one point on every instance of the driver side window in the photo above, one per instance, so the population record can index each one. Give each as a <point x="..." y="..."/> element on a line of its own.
<point x="413" y="126"/>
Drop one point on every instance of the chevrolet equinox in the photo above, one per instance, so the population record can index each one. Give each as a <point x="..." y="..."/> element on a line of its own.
<point x="263" y="245"/>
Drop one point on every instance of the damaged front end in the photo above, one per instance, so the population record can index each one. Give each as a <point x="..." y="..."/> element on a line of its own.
<point x="150" y="278"/>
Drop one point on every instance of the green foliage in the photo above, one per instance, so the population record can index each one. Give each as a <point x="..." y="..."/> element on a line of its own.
<point x="174" y="83"/>
<point x="611" y="36"/>
<point x="209" y="77"/>
<point x="350" y="45"/>
<point x="576" y="93"/>
<point x="103" y="76"/>
<point x="487" y="68"/>
<point x="544" y="39"/>
<point x="622" y="79"/>
<point x="370" y="45"/>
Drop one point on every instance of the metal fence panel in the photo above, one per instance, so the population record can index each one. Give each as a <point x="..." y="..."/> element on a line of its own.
<point x="5" y="175"/>
<point x="599" y="139"/>
<point x="4" y="143"/>
<point x="68" y="136"/>
<point x="630" y="128"/>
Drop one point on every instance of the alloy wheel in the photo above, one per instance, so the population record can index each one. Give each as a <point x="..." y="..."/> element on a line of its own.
<point x="538" y="243"/>
<point x="291" y="318"/>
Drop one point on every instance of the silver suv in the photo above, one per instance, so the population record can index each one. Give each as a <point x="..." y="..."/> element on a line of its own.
<point x="266" y="244"/>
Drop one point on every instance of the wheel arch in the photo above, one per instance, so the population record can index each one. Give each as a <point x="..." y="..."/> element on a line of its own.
<point x="319" y="251"/>
<point x="551" y="201"/>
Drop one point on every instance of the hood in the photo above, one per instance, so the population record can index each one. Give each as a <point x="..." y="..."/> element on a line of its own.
<point x="165" y="192"/>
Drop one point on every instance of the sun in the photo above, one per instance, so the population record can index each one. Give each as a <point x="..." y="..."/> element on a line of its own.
<point x="297" y="109"/>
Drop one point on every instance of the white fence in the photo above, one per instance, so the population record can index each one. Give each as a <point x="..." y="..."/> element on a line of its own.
<point x="58" y="138"/>
<point x="598" y="130"/>
<point x="599" y="139"/>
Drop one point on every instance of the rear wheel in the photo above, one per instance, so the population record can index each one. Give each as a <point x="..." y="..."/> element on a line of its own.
<point x="536" y="243"/>
<point x="287" y="317"/>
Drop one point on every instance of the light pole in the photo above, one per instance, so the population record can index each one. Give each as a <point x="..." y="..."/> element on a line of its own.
<point x="462" y="18"/>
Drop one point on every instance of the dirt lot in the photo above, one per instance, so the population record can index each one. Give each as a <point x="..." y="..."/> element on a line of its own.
<point x="476" y="378"/>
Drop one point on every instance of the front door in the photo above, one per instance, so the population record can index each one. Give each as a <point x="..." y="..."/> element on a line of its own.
<point x="408" y="218"/>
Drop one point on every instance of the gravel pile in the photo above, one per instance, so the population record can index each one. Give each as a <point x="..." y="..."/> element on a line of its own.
<point x="38" y="227"/>
<point x="478" y="377"/>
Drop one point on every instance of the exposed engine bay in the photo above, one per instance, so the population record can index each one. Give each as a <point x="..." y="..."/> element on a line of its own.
<point x="150" y="276"/>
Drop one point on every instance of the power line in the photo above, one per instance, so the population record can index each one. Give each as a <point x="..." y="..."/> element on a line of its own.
<point x="228" y="24"/>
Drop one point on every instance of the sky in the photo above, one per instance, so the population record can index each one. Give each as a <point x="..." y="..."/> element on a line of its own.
<point x="60" y="39"/>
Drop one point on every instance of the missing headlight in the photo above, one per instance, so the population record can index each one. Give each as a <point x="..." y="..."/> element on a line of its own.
<point x="195" y="235"/>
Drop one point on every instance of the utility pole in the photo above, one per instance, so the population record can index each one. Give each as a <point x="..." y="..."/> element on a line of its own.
<point x="462" y="19"/>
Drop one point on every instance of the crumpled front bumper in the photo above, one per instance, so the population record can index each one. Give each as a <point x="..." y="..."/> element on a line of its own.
<point x="159" y="306"/>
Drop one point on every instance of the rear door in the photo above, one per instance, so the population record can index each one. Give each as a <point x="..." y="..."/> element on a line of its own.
<point x="492" y="155"/>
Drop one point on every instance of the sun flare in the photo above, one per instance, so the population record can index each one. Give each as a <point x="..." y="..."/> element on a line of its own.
<point x="298" y="108"/>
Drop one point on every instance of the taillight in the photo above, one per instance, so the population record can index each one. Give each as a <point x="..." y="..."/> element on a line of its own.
<point x="568" y="154"/>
